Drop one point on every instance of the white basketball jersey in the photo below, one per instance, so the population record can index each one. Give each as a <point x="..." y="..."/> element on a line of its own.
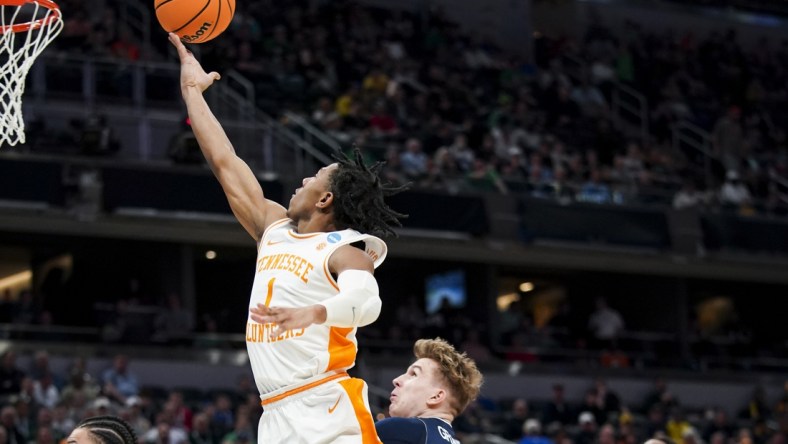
<point x="292" y="271"/>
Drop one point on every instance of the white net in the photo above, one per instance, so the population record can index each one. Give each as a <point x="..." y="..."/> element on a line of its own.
<point x="26" y="28"/>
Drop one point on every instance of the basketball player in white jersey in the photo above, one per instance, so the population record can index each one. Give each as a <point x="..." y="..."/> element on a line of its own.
<point x="312" y="288"/>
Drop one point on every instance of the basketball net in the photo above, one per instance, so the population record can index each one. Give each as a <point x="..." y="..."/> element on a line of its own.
<point x="26" y="28"/>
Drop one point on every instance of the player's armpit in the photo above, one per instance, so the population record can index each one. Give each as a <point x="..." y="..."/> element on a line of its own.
<point x="348" y="257"/>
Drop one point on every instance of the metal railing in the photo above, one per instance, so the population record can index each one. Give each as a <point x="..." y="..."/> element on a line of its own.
<point x="237" y="97"/>
<point x="103" y="82"/>
<point x="646" y="350"/>
<point x="136" y="16"/>
<point x="780" y="186"/>
<point x="695" y="142"/>
<point x="142" y="103"/>
<point x="574" y="66"/>
<point x="629" y="107"/>
<point x="313" y="135"/>
<point x="53" y="333"/>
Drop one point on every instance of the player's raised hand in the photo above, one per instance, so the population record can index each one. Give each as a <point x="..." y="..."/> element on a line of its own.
<point x="286" y="318"/>
<point x="192" y="73"/>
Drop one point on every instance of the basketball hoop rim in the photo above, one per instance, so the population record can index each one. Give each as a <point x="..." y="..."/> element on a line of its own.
<point x="34" y="24"/>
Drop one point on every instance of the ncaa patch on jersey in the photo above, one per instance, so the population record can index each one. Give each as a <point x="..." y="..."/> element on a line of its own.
<point x="333" y="238"/>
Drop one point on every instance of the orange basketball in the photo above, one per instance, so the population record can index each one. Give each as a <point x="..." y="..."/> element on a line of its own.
<point x="195" y="21"/>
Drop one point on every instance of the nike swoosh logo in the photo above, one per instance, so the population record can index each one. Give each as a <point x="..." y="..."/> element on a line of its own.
<point x="270" y="242"/>
<point x="331" y="409"/>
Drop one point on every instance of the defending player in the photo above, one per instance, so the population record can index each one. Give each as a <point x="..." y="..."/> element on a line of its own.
<point x="311" y="290"/>
<point x="429" y="395"/>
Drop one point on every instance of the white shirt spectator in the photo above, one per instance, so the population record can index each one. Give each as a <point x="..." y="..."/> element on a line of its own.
<point x="45" y="393"/>
<point x="602" y="72"/>
<point x="689" y="196"/>
<point x="395" y="50"/>
<point x="478" y="58"/>
<point x="687" y="199"/>
<point x="733" y="191"/>
<point x="589" y="99"/>
<point x="606" y="323"/>
<point x="176" y="435"/>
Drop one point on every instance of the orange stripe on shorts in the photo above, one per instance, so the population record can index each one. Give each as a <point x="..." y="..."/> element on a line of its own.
<point x="355" y="390"/>
<point x="302" y="388"/>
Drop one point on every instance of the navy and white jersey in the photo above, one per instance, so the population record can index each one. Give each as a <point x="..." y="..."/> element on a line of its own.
<point x="415" y="431"/>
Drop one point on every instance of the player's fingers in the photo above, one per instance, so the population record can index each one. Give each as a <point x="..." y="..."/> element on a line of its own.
<point x="266" y="320"/>
<point x="259" y="308"/>
<point x="174" y="40"/>
<point x="282" y="312"/>
<point x="260" y="317"/>
<point x="182" y="51"/>
<point x="257" y="314"/>
<point x="261" y="314"/>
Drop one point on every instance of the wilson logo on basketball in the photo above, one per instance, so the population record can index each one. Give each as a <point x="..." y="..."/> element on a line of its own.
<point x="205" y="27"/>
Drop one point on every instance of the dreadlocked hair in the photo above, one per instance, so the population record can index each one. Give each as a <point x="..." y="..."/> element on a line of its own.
<point x="358" y="197"/>
<point x="109" y="430"/>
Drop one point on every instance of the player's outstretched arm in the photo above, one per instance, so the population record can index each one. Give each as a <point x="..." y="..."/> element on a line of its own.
<point x="239" y="183"/>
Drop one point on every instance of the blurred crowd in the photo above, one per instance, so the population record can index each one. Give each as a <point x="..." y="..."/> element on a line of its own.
<point x="445" y="109"/>
<point x="449" y="110"/>
<point x="601" y="417"/>
<point x="716" y="82"/>
<point x="591" y="337"/>
<point x="39" y="405"/>
<point x="42" y="406"/>
<point x="590" y="334"/>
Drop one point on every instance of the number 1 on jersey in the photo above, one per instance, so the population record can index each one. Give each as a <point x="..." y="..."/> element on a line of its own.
<point x="270" y="292"/>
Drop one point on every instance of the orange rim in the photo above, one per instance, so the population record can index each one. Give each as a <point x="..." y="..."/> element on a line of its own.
<point x="34" y="24"/>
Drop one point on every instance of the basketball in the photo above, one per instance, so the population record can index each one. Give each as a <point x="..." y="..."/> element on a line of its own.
<point x="195" y="21"/>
